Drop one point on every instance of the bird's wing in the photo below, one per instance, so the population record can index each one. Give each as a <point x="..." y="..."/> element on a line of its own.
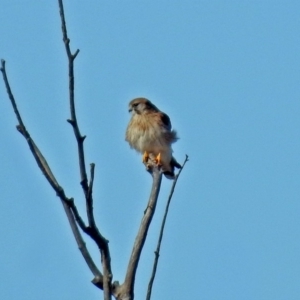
<point x="165" y="120"/>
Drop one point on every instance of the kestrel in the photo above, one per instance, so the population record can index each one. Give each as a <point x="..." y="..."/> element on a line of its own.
<point x="150" y="133"/>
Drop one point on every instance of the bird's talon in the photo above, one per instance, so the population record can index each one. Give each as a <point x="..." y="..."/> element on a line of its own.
<point x="158" y="160"/>
<point x="145" y="157"/>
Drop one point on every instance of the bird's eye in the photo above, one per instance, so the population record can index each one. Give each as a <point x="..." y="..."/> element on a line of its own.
<point x="135" y="104"/>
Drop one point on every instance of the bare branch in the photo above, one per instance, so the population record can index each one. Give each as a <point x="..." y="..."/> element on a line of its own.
<point x="10" y="95"/>
<point x="41" y="161"/>
<point x="92" y="230"/>
<point x="73" y="120"/>
<point x="89" y="199"/>
<point x="107" y="274"/>
<point x="157" y="251"/>
<point x="127" y="288"/>
<point x="81" y="245"/>
<point x="68" y="204"/>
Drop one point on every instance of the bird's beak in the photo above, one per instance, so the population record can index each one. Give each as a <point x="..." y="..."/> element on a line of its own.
<point x="130" y="110"/>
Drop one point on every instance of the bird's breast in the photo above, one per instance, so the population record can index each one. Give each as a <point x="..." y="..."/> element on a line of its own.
<point x="144" y="134"/>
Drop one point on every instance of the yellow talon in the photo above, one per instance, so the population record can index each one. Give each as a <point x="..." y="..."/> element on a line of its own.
<point x="145" y="157"/>
<point x="158" y="159"/>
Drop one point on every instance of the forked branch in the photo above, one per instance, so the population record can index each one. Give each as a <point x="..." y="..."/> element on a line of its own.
<point x="145" y="224"/>
<point x="126" y="290"/>
<point x="157" y="251"/>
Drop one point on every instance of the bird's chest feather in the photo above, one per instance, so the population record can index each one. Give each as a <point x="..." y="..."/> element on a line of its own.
<point x="145" y="134"/>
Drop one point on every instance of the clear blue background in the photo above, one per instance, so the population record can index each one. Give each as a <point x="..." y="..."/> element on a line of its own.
<point x="228" y="75"/>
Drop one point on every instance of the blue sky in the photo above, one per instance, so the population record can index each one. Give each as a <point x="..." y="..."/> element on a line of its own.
<point x="228" y="75"/>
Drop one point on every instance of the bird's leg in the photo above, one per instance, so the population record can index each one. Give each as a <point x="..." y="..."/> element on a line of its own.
<point x="145" y="157"/>
<point x="158" y="159"/>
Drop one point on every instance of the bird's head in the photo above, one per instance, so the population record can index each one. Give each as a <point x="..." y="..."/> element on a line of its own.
<point x="141" y="106"/>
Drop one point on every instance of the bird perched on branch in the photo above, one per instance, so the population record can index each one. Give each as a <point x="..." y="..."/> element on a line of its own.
<point x="150" y="133"/>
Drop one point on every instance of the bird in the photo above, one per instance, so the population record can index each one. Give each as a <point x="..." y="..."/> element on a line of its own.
<point x="150" y="132"/>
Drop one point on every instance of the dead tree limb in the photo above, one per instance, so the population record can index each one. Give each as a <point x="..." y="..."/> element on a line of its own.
<point x="157" y="251"/>
<point x="142" y="233"/>
<point x="126" y="290"/>
<point x="68" y="203"/>
<point x="93" y="230"/>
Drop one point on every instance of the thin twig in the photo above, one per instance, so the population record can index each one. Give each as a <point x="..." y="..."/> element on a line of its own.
<point x="157" y="251"/>
<point x="73" y="120"/>
<point x="68" y="204"/>
<point x="10" y="95"/>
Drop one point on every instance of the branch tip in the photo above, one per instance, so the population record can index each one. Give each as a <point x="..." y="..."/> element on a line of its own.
<point x="2" y="69"/>
<point x="20" y="129"/>
<point x="98" y="282"/>
<point x="70" y="121"/>
<point x="70" y="200"/>
<point x="75" y="54"/>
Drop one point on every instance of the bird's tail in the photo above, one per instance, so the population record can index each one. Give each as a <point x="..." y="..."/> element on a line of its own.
<point x="170" y="172"/>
